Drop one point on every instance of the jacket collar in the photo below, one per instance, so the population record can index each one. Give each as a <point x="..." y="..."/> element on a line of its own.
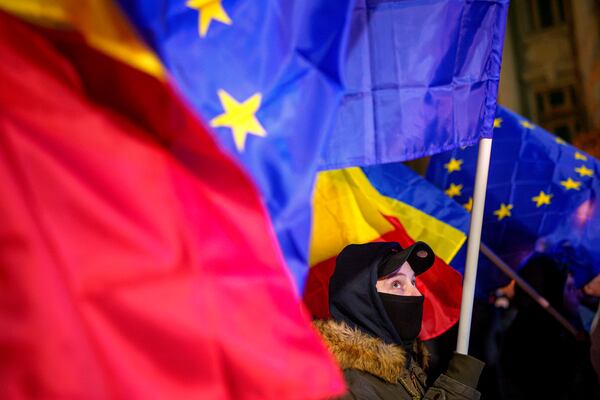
<point x="354" y="349"/>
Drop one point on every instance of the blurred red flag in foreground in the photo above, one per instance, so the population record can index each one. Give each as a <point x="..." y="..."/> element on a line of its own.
<point x="136" y="260"/>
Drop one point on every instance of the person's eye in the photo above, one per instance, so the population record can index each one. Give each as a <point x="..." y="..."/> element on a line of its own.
<point x="396" y="284"/>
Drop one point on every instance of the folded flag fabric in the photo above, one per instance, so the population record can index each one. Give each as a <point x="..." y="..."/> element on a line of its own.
<point x="266" y="76"/>
<point x="137" y="260"/>
<point x="397" y="181"/>
<point x="422" y="78"/>
<point x="348" y="209"/>
<point x="541" y="194"/>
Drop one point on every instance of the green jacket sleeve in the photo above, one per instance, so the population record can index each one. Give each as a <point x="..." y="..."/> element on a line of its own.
<point x="459" y="382"/>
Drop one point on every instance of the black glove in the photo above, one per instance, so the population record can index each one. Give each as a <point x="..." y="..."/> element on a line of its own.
<point x="465" y="369"/>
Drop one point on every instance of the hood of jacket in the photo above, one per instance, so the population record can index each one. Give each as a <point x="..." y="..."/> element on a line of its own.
<point x="353" y="296"/>
<point x="354" y="349"/>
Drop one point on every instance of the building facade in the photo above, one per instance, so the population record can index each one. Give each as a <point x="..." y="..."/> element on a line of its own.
<point x="551" y="67"/>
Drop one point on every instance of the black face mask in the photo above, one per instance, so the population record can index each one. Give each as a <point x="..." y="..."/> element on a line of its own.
<point x="405" y="312"/>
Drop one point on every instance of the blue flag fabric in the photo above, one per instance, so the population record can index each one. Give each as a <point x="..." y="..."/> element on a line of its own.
<point x="422" y="78"/>
<point x="542" y="194"/>
<point x="266" y="75"/>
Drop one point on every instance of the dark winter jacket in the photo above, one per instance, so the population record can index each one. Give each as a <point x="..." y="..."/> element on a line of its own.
<point x="377" y="370"/>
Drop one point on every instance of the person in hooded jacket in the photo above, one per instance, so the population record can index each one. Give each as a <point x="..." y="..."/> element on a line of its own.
<point x="376" y="313"/>
<point x="539" y="358"/>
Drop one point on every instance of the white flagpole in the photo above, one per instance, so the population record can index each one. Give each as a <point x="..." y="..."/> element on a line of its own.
<point x="474" y="239"/>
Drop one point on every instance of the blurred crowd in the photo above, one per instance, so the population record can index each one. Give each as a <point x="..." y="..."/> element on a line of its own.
<point x="529" y="353"/>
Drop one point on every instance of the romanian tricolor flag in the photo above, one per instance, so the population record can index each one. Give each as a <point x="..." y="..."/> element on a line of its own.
<point x="348" y="208"/>
<point x="137" y="260"/>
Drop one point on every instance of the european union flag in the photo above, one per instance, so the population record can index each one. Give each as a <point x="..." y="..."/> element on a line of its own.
<point x="266" y="75"/>
<point x="422" y="78"/>
<point x="542" y="194"/>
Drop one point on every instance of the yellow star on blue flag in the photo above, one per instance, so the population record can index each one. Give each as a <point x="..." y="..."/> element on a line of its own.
<point x="239" y="117"/>
<point x="584" y="171"/>
<point x="542" y="199"/>
<point x="527" y="124"/>
<point x="571" y="184"/>
<point x="454" y="190"/>
<point x="453" y="165"/>
<point x="468" y="205"/>
<point x="503" y="211"/>
<point x="208" y="10"/>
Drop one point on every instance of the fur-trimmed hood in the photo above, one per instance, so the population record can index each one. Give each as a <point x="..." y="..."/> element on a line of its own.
<point x="354" y="349"/>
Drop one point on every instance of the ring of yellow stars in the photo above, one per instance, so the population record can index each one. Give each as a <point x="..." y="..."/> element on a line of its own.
<point x="527" y="124"/>
<point x="497" y="122"/>
<point x="571" y="184"/>
<point x="208" y="10"/>
<point x="584" y="171"/>
<point x="453" y="165"/>
<point x="542" y="198"/>
<point x="559" y="141"/>
<point x="468" y="205"/>
<point x="453" y="190"/>
<point x="503" y="211"/>
<point x="579" y="156"/>
<point x="239" y="117"/>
